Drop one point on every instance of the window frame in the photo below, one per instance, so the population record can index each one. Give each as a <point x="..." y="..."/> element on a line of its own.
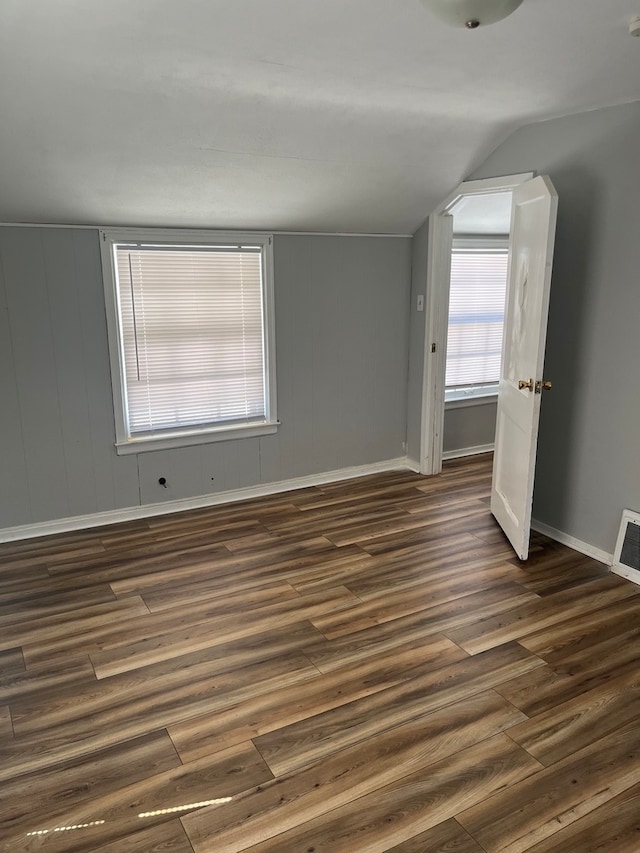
<point x="125" y="443"/>
<point x="481" y="393"/>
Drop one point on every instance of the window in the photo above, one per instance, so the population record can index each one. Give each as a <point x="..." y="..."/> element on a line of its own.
<point x="190" y="318"/>
<point x="476" y="317"/>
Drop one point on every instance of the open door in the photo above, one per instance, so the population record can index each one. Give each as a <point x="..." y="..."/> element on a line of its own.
<point x="533" y="225"/>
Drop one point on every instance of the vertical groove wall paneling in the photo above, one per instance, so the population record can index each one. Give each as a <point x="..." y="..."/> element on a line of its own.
<point x="15" y="507"/>
<point x="35" y="368"/>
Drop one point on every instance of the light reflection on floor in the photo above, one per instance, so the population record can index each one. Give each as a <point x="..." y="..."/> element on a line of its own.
<point x="67" y="828"/>
<point x="187" y="807"/>
<point x="170" y="810"/>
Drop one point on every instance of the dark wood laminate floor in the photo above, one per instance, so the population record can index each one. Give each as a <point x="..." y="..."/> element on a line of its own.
<point x="362" y="666"/>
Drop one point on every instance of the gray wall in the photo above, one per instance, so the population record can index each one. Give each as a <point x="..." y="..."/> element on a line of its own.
<point x="342" y="315"/>
<point x="417" y="331"/>
<point x="56" y="419"/>
<point x="466" y="427"/>
<point x="589" y="447"/>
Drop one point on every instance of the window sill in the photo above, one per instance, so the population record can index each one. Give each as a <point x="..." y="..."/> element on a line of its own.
<point x="467" y="402"/>
<point x="143" y="444"/>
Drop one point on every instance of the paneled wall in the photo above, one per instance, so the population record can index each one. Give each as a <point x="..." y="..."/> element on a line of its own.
<point x="342" y="313"/>
<point x="468" y="427"/>
<point x="56" y="422"/>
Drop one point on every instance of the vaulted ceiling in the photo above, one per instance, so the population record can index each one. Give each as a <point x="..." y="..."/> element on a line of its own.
<point x="339" y="115"/>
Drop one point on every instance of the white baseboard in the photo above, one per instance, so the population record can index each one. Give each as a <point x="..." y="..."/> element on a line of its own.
<point x="571" y="542"/>
<point x="412" y="465"/>
<point x="627" y="573"/>
<point x="113" y="516"/>
<point x="468" y="451"/>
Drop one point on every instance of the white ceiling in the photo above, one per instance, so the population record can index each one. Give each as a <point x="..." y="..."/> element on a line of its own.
<point x="340" y="115"/>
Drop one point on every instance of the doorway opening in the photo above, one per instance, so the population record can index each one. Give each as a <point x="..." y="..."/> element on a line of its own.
<point x="475" y="210"/>
<point x="476" y="304"/>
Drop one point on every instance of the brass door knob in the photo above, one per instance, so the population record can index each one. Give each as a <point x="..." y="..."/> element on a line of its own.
<point x="547" y="386"/>
<point x="522" y="384"/>
<point x="543" y="386"/>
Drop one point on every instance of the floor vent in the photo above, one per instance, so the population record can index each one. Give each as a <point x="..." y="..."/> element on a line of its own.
<point x="626" y="559"/>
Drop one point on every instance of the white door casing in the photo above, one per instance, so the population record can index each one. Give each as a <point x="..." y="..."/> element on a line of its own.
<point x="436" y="320"/>
<point x="533" y="224"/>
<point x="438" y="270"/>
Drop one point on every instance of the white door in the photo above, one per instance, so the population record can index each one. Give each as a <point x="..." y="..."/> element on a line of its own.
<point x="533" y="225"/>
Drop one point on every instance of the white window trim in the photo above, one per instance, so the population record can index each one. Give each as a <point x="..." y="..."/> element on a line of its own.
<point x="476" y="400"/>
<point x="126" y="444"/>
<point x="473" y="242"/>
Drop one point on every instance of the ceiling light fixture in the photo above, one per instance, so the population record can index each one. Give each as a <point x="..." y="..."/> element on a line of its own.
<point x="471" y="13"/>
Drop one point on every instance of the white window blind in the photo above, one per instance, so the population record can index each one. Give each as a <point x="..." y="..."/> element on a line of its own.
<point x="476" y="317"/>
<point x="192" y="335"/>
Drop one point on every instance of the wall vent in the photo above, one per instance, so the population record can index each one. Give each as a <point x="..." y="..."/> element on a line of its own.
<point x="626" y="558"/>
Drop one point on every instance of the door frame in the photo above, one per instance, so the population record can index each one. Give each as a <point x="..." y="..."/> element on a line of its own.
<point x="437" y="314"/>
